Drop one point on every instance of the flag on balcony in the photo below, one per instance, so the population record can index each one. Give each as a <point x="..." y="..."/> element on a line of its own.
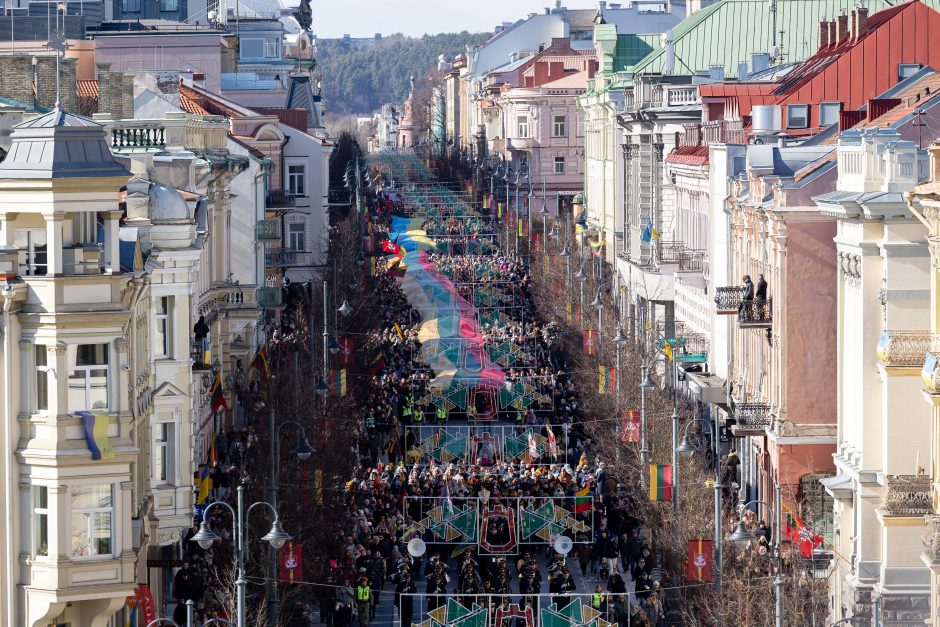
<point x="606" y="380"/>
<point x="290" y="559"/>
<point x="801" y="534"/>
<point x="630" y="426"/>
<point x="205" y="484"/>
<point x="217" y="396"/>
<point x="582" y="499"/>
<point x="260" y="363"/>
<point x="698" y="565"/>
<point x="589" y="340"/>
<point x="96" y="433"/>
<point x="206" y="353"/>
<point x="660" y="482"/>
<point x="597" y="247"/>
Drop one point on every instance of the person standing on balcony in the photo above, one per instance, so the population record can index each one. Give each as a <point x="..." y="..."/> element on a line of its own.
<point x="747" y="297"/>
<point x="761" y="294"/>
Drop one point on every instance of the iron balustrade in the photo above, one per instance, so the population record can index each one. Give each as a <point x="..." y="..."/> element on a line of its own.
<point x="931" y="538"/>
<point x="280" y="199"/>
<point x="905" y="348"/>
<point x="728" y="299"/>
<point x="751" y="417"/>
<point x="907" y="495"/>
<point x="756" y="312"/>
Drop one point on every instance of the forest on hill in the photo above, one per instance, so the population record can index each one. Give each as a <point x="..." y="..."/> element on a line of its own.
<point x="358" y="80"/>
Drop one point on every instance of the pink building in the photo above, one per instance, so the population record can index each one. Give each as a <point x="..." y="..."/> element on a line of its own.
<point x="534" y="122"/>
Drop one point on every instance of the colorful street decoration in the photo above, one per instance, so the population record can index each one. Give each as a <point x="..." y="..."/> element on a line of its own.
<point x="499" y="530"/>
<point x="547" y="521"/>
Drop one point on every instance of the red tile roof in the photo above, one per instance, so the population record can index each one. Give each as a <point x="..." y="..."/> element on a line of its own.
<point x="86" y="89"/>
<point x="688" y="155"/>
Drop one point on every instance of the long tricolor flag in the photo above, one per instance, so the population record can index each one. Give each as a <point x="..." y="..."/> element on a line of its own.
<point x="606" y="380"/>
<point x="582" y="500"/>
<point x="217" y="395"/>
<point x="260" y="363"/>
<point x="660" y="482"/>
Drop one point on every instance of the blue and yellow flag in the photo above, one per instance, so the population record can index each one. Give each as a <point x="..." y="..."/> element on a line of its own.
<point x="96" y="433"/>
<point x="205" y="485"/>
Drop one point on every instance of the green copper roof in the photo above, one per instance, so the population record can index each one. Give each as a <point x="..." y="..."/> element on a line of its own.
<point x="633" y="48"/>
<point x="729" y="32"/>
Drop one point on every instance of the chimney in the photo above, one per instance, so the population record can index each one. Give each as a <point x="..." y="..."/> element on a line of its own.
<point x="716" y="72"/>
<point x="601" y="5"/>
<point x="859" y="22"/>
<point x="832" y="33"/>
<point x="823" y="34"/>
<point x="742" y="70"/>
<point x="842" y="27"/>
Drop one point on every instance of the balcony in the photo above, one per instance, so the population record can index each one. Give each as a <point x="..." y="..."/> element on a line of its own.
<point x="757" y="312"/>
<point x="904" y="348"/>
<point x="728" y="299"/>
<point x="198" y="354"/>
<point x="286" y="258"/>
<point x="279" y="199"/>
<point x="724" y="132"/>
<point x="142" y="136"/>
<point x="930" y="372"/>
<point x="906" y="495"/>
<point x="751" y="419"/>
<point x="227" y="298"/>
<point x="681" y="96"/>
<point x="931" y="538"/>
<point x="339" y="196"/>
<point x="270" y="297"/>
<point x="692" y="260"/>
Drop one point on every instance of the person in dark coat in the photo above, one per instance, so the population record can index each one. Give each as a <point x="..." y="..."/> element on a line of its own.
<point x="403" y="601"/>
<point x="761" y="293"/>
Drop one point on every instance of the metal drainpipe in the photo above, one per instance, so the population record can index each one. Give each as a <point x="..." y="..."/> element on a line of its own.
<point x="9" y="531"/>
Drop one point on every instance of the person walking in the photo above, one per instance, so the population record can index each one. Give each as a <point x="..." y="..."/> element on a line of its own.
<point x="403" y="599"/>
<point x="364" y="601"/>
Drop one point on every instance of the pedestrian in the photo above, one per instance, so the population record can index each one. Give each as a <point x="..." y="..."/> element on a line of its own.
<point x="364" y="601"/>
<point x="584" y="555"/>
<point x="403" y="599"/>
<point x="638" y="617"/>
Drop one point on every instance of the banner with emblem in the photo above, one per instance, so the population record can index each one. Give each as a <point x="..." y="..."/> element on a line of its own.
<point x="630" y="426"/>
<point x="699" y="563"/>
<point x="290" y="559"/>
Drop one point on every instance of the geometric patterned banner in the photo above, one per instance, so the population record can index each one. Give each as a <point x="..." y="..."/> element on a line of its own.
<point x="485" y="610"/>
<point x="483" y="444"/>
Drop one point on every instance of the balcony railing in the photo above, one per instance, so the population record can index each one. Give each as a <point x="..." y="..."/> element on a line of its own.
<point x="670" y="252"/>
<point x="198" y="354"/>
<point x="339" y="196"/>
<point x="123" y="138"/>
<point x="906" y="495"/>
<point x="724" y="132"/>
<point x="930" y="372"/>
<point x="751" y="418"/>
<point x="226" y="298"/>
<point x="692" y="260"/>
<point x="756" y="312"/>
<point x="279" y="199"/>
<point x="931" y="538"/>
<point x="286" y="258"/>
<point x="905" y="348"/>
<point x="681" y="96"/>
<point x="728" y="299"/>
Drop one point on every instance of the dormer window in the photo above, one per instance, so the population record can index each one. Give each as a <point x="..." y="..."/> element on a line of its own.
<point x="907" y="70"/>
<point x="797" y="116"/>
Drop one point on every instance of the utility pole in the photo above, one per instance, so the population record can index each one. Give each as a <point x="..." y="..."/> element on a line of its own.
<point x="272" y="499"/>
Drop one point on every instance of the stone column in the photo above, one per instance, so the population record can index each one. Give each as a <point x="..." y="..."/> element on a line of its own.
<point x="118" y="395"/>
<point x="57" y="358"/>
<point x="54" y="243"/>
<point x="26" y="405"/>
<point x="60" y="521"/>
<point x="112" y="241"/>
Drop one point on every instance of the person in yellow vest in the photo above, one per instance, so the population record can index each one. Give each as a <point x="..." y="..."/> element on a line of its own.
<point x="441" y="415"/>
<point x="417" y="414"/>
<point x="408" y="410"/>
<point x="599" y="600"/>
<point x="363" y="601"/>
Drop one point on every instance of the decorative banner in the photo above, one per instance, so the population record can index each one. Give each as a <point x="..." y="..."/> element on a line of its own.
<point x="290" y="559"/>
<point x="347" y="351"/>
<point x="574" y="614"/>
<point x="537" y="244"/>
<point x="589" y="341"/>
<point x="699" y="562"/>
<point x="499" y="530"/>
<point x="660" y="482"/>
<point x="630" y="426"/>
<point x="606" y="380"/>
<point x="96" y="433"/>
<point x="260" y="363"/>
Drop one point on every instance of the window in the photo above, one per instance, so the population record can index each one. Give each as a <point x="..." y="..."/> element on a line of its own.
<point x="797" y="116"/>
<point x="906" y="70"/>
<point x="829" y="113"/>
<point x="131" y="6"/>
<point x="559" y="165"/>
<point x="161" y="338"/>
<point x="558" y="126"/>
<point x="169" y="5"/>
<point x="42" y="378"/>
<point x="85" y="227"/>
<point x="92" y="512"/>
<point x="40" y="520"/>
<point x="251" y="48"/>
<point x="88" y="378"/>
<point x="163" y="453"/>
<point x="32" y="251"/>
<point x="297" y="180"/>
<point x="296" y="232"/>
<point x="522" y="123"/>
<point x="271" y="48"/>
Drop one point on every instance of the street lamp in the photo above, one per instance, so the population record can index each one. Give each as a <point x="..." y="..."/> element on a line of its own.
<point x="645" y="385"/>
<point x="205" y="537"/>
<point x="345" y="309"/>
<point x="742" y="535"/>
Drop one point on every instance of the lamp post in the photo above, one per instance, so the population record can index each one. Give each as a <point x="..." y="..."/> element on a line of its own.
<point x="686" y="447"/>
<point x="276" y="537"/>
<point x="645" y="385"/>
<point x="581" y="277"/>
<point x="303" y="452"/>
<point x="742" y="535"/>
<point x="619" y="340"/>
